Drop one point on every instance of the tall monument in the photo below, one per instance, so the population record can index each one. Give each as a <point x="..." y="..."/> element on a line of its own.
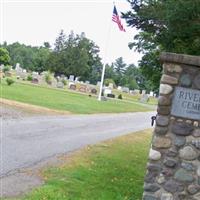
<point x="173" y="169"/>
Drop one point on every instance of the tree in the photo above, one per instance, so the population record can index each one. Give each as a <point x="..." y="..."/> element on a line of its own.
<point x="4" y="57"/>
<point x="30" y="58"/>
<point x="47" y="45"/>
<point x="41" y="57"/>
<point x="172" y="25"/>
<point x="119" y="67"/>
<point x="60" y="42"/>
<point x="77" y="55"/>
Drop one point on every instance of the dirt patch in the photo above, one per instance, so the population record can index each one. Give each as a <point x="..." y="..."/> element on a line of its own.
<point x="10" y="109"/>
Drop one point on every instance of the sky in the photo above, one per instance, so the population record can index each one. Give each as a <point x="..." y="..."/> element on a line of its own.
<point x="34" y="22"/>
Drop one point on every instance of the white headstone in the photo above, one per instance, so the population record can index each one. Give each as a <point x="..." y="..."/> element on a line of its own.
<point x="137" y="91"/>
<point x="110" y="85"/>
<point x="98" y="83"/>
<point x="125" y="89"/>
<point x="87" y="82"/>
<point x="71" y="78"/>
<point x="107" y="91"/>
<point x="119" y="88"/>
<point x="143" y="91"/>
<point x="1" y="67"/>
<point x="60" y="84"/>
<point x="77" y="79"/>
<point x="151" y="94"/>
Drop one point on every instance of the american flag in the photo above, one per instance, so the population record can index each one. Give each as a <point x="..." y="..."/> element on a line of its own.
<point x="116" y="19"/>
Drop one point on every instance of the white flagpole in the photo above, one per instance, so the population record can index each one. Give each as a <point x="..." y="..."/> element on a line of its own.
<point x="105" y="58"/>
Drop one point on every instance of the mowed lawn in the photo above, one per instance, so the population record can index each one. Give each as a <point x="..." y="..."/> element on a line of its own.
<point x="112" y="170"/>
<point x="65" y="100"/>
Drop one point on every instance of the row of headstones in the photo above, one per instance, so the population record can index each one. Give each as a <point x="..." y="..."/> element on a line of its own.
<point x="58" y="81"/>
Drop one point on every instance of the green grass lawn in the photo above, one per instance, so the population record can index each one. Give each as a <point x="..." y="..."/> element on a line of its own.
<point x="112" y="170"/>
<point x="65" y="100"/>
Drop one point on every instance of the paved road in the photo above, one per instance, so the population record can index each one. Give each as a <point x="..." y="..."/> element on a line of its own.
<point x="27" y="141"/>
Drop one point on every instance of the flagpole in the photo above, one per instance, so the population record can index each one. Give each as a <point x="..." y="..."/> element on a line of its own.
<point x="105" y="58"/>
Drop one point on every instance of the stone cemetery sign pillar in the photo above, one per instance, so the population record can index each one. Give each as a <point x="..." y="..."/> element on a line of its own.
<point x="173" y="170"/>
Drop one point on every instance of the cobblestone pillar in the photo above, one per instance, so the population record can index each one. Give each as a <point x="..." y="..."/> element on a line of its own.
<point x="173" y="170"/>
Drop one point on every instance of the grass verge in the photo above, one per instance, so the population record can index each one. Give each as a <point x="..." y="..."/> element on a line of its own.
<point x="66" y="100"/>
<point x="112" y="170"/>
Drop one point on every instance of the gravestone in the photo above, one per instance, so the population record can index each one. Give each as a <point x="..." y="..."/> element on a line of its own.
<point x="119" y="88"/>
<point x="93" y="91"/>
<point x="125" y="89"/>
<point x="144" y="98"/>
<point x="173" y="169"/>
<point x="83" y="88"/>
<point x="151" y="94"/>
<point x="71" y="78"/>
<point x="35" y="81"/>
<point x="72" y="86"/>
<point x="1" y="67"/>
<point x="18" y="68"/>
<point x="143" y="92"/>
<point x="60" y="84"/>
<point x="77" y="79"/>
<point x="107" y="91"/>
<point x="87" y="82"/>
<point x="111" y="85"/>
<point x="98" y="83"/>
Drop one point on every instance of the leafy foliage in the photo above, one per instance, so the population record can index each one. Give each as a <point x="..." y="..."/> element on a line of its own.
<point x="4" y="57"/>
<point x="30" y="58"/>
<point x="172" y="25"/>
<point x="29" y="77"/>
<point x="74" y="54"/>
<point x="6" y="69"/>
<point x="48" y="77"/>
<point x="9" y="81"/>
<point x="109" y="80"/>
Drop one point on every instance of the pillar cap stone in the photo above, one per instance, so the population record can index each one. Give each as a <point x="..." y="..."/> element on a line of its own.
<point x="180" y="58"/>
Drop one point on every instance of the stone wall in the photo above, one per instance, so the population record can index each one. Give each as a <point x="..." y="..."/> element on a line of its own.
<point x="173" y="170"/>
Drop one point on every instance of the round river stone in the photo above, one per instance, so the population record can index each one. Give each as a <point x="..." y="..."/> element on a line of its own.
<point x="188" y="153"/>
<point x="165" y="89"/>
<point x="161" y="130"/>
<point x="154" y="155"/>
<point x="161" y="142"/>
<point x="171" y="186"/>
<point x="186" y="80"/>
<point x="164" y="101"/>
<point x="196" y="132"/>
<point x="183" y="175"/>
<point x="181" y="128"/>
<point x="169" y="79"/>
<point x="162" y="120"/>
<point x="179" y="141"/>
<point x="197" y="81"/>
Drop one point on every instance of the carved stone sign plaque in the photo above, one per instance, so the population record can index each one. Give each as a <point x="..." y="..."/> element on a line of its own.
<point x="186" y="103"/>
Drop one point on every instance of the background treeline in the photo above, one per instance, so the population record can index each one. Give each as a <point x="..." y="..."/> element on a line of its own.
<point x="74" y="54"/>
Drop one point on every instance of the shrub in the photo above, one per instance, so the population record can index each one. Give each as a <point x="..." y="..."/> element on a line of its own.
<point x="29" y="77"/>
<point x="109" y="80"/>
<point x="9" y="81"/>
<point x="6" y="69"/>
<point x="120" y="96"/>
<point x="64" y="82"/>
<point x="48" y="78"/>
